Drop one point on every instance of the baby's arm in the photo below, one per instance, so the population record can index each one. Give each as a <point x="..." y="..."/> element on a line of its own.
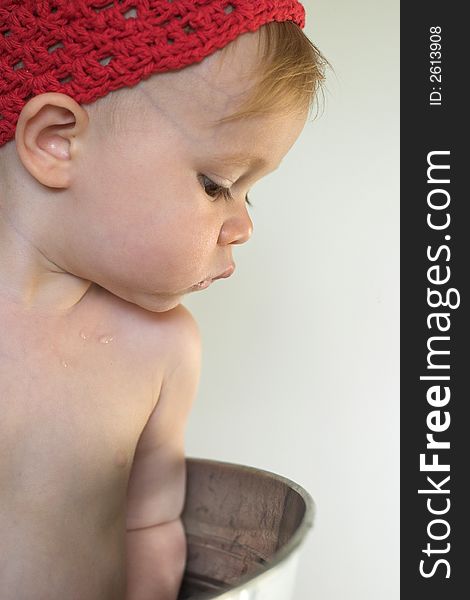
<point x="155" y="544"/>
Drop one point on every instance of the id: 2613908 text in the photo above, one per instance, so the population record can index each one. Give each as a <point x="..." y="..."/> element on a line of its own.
<point x="435" y="65"/>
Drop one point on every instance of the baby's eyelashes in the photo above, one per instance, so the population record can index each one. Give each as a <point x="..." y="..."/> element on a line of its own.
<point x="214" y="190"/>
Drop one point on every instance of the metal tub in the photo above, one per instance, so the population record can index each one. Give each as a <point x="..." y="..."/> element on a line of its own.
<point x="244" y="528"/>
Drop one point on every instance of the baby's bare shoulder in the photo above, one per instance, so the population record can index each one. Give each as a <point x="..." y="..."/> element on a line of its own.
<point x="153" y="338"/>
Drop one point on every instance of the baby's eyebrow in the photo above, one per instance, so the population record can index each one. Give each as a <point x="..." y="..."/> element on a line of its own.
<point x="242" y="160"/>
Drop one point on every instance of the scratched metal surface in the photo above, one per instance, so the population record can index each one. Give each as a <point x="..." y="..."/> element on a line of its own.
<point x="244" y="529"/>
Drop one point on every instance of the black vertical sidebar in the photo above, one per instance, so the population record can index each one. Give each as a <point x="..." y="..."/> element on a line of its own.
<point x="435" y="269"/>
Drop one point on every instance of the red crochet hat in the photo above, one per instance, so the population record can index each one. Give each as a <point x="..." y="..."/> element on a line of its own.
<point x="87" y="48"/>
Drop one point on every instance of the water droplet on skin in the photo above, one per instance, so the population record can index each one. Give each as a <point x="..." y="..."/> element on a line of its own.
<point x="64" y="364"/>
<point x="83" y="335"/>
<point x="105" y="339"/>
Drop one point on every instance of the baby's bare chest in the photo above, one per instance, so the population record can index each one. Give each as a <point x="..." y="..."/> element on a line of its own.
<point x="73" y="403"/>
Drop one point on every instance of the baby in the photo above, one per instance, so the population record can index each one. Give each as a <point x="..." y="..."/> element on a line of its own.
<point x="130" y="135"/>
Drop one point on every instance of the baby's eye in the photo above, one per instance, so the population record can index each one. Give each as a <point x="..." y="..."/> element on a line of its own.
<point x="215" y="190"/>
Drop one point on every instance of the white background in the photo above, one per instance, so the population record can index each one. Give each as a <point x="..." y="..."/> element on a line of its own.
<point x="300" y="346"/>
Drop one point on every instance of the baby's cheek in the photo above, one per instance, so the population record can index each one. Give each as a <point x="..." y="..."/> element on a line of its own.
<point x="170" y="247"/>
<point x="166" y="256"/>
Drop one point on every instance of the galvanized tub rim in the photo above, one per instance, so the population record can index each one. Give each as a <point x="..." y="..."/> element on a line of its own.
<point x="289" y="548"/>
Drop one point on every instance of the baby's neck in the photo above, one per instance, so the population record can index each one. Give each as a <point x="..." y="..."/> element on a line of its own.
<point x="57" y="296"/>
<point x="29" y="280"/>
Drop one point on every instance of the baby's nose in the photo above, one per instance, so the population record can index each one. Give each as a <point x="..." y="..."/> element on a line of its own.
<point x="237" y="229"/>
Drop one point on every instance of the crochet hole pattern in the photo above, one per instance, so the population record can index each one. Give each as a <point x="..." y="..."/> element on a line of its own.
<point x="105" y="61"/>
<point x="131" y="13"/>
<point x="55" y="46"/>
<point x="89" y="48"/>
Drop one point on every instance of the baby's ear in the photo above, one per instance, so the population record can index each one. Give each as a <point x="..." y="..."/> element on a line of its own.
<point x="46" y="130"/>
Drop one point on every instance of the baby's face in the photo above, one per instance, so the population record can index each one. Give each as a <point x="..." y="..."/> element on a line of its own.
<point x="146" y="224"/>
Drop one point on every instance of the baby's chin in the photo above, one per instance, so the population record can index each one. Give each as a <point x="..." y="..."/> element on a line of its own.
<point x="157" y="304"/>
<point x="152" y="301"/>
